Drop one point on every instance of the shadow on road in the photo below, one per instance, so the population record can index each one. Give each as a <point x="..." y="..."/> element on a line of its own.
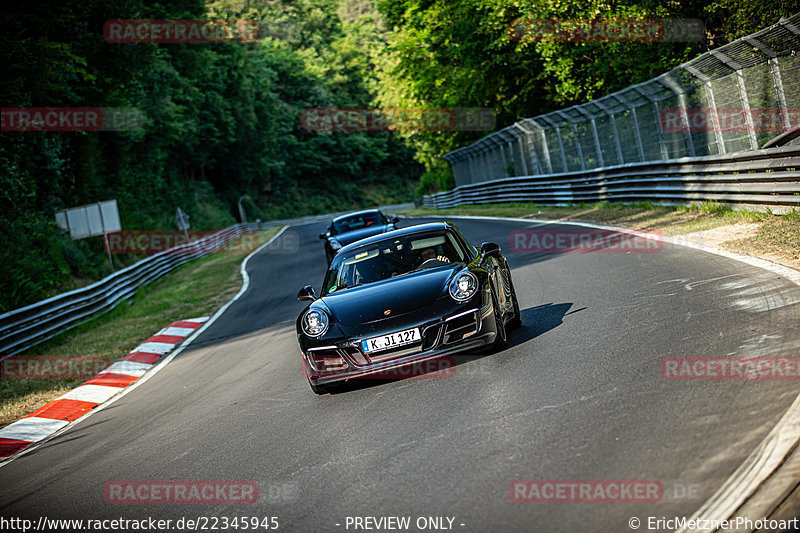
<point x="541" y="319"/>
<point x="535" y="321"/>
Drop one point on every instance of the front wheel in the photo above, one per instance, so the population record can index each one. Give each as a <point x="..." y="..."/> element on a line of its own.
<point x="501" y="338"/>
<point x="517" y="320"/>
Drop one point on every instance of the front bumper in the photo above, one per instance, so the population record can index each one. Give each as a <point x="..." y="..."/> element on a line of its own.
<point x="345" y="360"/>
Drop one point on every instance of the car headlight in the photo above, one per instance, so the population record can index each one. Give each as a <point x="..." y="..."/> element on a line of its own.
<point x="315" y="323"/>
<point x="335" y="244"/>
<point x="463" y="286"/>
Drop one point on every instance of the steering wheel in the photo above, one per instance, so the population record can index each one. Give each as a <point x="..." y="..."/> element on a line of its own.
<point x="432" y="260"/>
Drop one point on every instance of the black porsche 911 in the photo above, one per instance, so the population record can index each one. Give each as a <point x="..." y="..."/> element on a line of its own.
<point x="352" y="227"/>
<point x="402" y="298"/>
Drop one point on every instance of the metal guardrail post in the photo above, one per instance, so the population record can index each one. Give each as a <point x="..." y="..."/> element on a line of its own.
<point x="778" y="80"/>
<point x="555" y="126"/>
<point x="614" y="131"/>
<point x="548" y="165"/>
<point x="680" y="92"/>
<point x="597" y="148"/>
<point x="748" y="117"/>
<point x="712" y="105"/>
<point x="656" y="113"/>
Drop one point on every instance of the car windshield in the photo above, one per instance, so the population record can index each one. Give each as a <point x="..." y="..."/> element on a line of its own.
<point x="356" y="222"/>
<point x="391" y="258"/>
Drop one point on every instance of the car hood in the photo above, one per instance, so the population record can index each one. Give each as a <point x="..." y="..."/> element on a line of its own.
<point x="400" y="295"/>
<point x="357" y="235"/>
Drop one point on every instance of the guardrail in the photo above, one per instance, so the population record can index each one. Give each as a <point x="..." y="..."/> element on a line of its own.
<point x="757" y="178"/>
<point x="27" y="326"/>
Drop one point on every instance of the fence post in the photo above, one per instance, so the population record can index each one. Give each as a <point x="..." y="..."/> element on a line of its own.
<point x="527" y="141"/>
<point x="523" y="159"/>
<point x="554" y="124"/>
<point x="617" y="144"/>
<point x="657" y="113"/>
<point x="576" y="137"/>
<point x="637" y="135"/>
<point x="748" y="117"/>
<point x="594" y="134"/>
<point x="669" y="83"/>
<point x="545" y="147"/>
<point x="712" y="106"/>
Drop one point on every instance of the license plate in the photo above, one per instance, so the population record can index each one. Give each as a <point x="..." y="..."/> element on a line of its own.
<point x="392" y="340"/>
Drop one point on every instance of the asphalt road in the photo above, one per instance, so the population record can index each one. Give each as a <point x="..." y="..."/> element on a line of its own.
<point x="577" y="395"/>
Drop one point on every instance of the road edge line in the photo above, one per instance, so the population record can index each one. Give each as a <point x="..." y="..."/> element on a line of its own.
<point x="161" y="364"/>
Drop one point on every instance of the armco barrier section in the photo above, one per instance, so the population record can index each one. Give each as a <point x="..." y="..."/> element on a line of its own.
<point x="757" y="179"/>
<point x="32" y="324"/>
<point x="27" y="326"/>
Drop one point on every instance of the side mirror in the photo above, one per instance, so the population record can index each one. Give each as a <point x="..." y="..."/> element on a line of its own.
<point x="306" y="293"/>
<point x="395" y="219"/>
<point x="323" y="236"/>
<point x="488" y="249"/>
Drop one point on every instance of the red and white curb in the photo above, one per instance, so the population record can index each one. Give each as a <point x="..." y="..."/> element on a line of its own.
<point x="108" y="383"/>
<point x="24" y="435"/>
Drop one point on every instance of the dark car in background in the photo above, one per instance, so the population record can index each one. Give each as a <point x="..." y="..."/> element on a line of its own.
<point x="352" y="227"/>
<point x="402" y="298"/>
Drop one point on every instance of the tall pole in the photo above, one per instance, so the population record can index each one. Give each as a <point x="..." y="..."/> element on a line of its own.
<point x="108" y="249"/>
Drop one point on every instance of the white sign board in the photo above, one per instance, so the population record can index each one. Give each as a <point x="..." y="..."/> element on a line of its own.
<point x="90" y="220"/>
<point x="110" y="214"/>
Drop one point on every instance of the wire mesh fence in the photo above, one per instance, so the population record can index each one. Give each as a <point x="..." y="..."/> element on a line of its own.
<point x="731" y="99"/>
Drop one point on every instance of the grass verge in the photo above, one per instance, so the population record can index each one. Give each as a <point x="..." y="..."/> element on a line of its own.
<point x="197" y="288"/>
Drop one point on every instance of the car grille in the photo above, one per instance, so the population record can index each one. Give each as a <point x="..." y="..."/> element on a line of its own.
<point x="460" y="327"/>
<point x="430" y="336"/>
<point x="437" y="334"/>
<point x="355" y="354"/>
<point x="327" y="359"/>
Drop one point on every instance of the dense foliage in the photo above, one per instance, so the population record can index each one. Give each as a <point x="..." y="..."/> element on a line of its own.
<point x="442" y="53"/>
<point x="223" y="120"/>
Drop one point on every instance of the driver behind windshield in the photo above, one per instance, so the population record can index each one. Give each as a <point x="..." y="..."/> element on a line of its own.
<point x="429" y="254"/>
<point x="391" y="259"/>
